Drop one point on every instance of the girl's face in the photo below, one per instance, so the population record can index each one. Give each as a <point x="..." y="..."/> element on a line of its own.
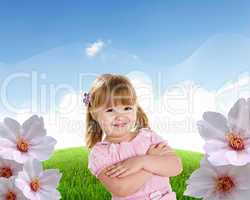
<point x="117" y="120"/>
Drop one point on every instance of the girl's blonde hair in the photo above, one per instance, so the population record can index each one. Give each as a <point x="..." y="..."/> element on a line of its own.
<point x="108" y="90"/>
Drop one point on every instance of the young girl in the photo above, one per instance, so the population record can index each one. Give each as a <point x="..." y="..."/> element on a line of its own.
<point x="129" y="159"/>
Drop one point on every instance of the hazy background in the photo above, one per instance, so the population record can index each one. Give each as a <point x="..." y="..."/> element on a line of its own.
<point x="183" y="58"/>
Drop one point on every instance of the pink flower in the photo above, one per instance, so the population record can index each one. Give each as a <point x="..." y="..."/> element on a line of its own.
<point x="227" y="140"/>
<point x="9" y="168"/>
<point x="29" y="140"/>
<point x="219" y="183"/>
<point x="8" y="190"/>
<point x="38" y="184"/>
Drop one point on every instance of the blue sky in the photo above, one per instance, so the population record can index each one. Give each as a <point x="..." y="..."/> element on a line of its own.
<point x="207" y="42"/>
<point x="174" y="28"/>
<point x="150" y="36"/>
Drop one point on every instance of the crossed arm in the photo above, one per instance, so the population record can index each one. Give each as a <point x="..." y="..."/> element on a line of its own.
<point x="127" y="185"/>
<point x="163" y="165"/>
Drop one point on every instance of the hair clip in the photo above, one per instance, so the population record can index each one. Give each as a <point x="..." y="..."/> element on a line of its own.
<point x="86" y="99"/>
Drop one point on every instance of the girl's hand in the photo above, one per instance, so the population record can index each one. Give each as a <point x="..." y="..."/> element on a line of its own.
<point x="159" y="149"/>
<point x="125" y="167"/>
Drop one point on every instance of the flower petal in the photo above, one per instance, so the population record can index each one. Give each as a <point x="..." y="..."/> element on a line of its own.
<point x="247" y="142"/>
<point x="201" y="175"/>
<point x="28" y="123"/>
<point x="194" y="191"/>
<point x="3" y="185"/>
<point x="24" y="176"/>
<point x="33" y="168"/>
<point x="48" y="140"/>
<point x="14" y="166"/>
<point x="25" y="188"/>
<point x="204" y="161"/>
<point x="5" y="143"/>
<point x="12" y="125"/>
<point x="241" y="176"/>
<point x="217" y="120"/>
<point x="237" y="158"/>
<point x="7" y="185"/>
<point x="201" y="182"/>
<point x="22" y="184"/>
<point x="43" y="150"/>
<point x="6" y="149"/>
<point x="240" y="194"/>
<point x="6" y="133"/>
<point x="36" y="130"/>
<point x="218" y="158"/>
<point x="52" y="194"/>
<point x="20" y="157"/>
<point x="50" y="178"/>
<point x="220" y="170"/>
<point x="239" y="115"/>
<point x="208" y="131"/>
<point x="215" y="145"/>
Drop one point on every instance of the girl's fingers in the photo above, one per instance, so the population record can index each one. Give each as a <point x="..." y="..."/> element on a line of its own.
<point x="124" y="174"/>
<point x="152" y="146"/>
<point x="168" y="148"/>
<point x="166" y="151"/>
<point x="160" y="145"/>
<point x="110" y="167"/>
<point x="114" y="165"/>
<point x="118" y="172"/>
<point x="113" y="170"/>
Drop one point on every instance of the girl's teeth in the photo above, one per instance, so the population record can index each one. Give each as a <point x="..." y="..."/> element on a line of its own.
<point x="119" y="124"/>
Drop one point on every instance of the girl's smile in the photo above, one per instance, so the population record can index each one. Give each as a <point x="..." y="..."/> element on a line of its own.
<point x="119" y="125"/>
<point x="118" y="120"/>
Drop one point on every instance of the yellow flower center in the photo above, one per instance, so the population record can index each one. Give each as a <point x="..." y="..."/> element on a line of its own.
<point x="22" y="145"/>
<point x="10" y="196"/>
<point x="35" y="185"/>
<point x="5" y="172"/>
<point x="224" y="184"/>
<point x="235" y="141"/>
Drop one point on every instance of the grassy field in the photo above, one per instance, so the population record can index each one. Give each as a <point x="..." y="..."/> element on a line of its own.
<point x="77" y="183"/>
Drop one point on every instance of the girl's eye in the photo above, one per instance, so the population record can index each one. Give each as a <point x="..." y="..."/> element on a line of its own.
<point x="109" y="110"/>
<point x="127" y="108"/>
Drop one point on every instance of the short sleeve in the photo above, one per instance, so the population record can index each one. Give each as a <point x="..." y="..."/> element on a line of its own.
<point x="98" y="159"/>
<point x="155" y="138"/>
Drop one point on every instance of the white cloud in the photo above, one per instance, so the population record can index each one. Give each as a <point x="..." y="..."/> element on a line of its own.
<point x="173" y="115"/>
<point x="232" y="90"/>
<point x="217" y="60"/>
<point x="95" y="48"/>
<point x="66" y="123"/>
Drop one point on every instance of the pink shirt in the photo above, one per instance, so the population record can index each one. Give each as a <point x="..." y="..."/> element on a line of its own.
<point x="104" y="154"/>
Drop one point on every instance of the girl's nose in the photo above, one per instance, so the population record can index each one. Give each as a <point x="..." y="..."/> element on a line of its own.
<point x="119" y="117"/>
